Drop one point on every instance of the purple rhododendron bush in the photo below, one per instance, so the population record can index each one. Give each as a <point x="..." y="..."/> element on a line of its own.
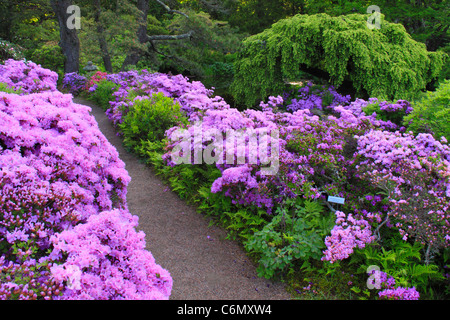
<point x="396" y="185"/>
<point x="65" y="230"/>
<point x="192" y="96"/>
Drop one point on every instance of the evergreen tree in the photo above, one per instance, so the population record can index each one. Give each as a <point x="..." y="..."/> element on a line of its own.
<point x="385" y="63"/>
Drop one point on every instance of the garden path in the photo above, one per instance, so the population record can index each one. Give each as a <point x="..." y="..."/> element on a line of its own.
<point x="203" y="264"/>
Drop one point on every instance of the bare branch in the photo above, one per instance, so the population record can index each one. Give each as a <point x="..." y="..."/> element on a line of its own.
<point x="170" y="10"/>
<point x="170" y="37"/>
<point x="159" y="52"/>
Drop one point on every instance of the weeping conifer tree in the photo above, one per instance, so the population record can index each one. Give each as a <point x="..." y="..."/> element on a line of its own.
<point x="385" y="63"/>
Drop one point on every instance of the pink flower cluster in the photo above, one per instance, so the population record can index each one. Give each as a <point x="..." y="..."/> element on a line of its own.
<point x="65" y="230"/>
<point x="348" y="233"/>
<point x="97" y="77"/>
<point x="106" y="259"/>
<point x="415" y="172"/>
<point x="28" y="76"/>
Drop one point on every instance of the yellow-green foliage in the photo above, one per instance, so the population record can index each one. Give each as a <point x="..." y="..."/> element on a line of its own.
<point x="432" y="113"/>
<point x="385" y="63"/>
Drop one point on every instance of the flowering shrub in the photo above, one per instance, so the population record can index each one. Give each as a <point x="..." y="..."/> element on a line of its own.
<point x="347" y="234"/>
<point x="61" y="183"/>
<point x="390" y="292"/>
<point x="74" y="83"/>
<point x="311" y="96"/>
<point x="97" y="77"/>
<point x="326" y="145"/>
<point x="9" y="51"/>
<point x="192" y="96"/>
<point x="106" y="259"/>
<point x="337" y="155"/>
<point x="27" y="76"/>
<point x="324" y="100"/>
<point x="414" y="172"/>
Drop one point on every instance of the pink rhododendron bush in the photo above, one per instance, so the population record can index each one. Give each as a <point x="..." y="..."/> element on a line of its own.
<point x="65" y="230"/>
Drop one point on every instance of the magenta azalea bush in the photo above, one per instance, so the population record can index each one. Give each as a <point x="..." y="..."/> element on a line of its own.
<point x="402" y="179"/>
<point x="65" y="229"/>
<point x="106" y="259"/>
<point x="27" y="76"/>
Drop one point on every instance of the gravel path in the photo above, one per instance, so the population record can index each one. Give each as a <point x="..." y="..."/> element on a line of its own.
<point x="203" y="264"/>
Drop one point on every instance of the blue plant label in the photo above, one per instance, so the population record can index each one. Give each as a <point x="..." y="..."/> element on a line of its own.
<point x="336" y="200"/>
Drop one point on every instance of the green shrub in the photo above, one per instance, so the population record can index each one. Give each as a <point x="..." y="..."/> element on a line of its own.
<point x="148" y="120"/>
<point x="399" y="259"/>
<point x="296" y="232"/>
<point x="9" y="50"/>
<point x="431" y="114"/>
<point x="49" y="56"/>
<point x="104" y="93"/>
<point x="222" y="69"/>
<point x="385" y="63"/>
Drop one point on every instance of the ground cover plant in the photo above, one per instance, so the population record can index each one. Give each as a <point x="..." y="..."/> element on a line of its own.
<point x="65" y="229"/>
<point x="395" y="183"/>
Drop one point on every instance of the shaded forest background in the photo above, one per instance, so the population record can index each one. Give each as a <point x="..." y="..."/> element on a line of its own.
<point x="198" y="38"/>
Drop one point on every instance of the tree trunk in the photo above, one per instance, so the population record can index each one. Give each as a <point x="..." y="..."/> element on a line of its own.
<point x="134" y="56"/>
<point x="69" y="41"/>
<point x="143" y="5"/>
<point x="101" y="38"/>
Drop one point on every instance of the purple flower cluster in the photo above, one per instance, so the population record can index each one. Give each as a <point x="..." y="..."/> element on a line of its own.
<point x="309" y="97"/>
<point x="381" y="280"/>
<point x="65" y="230"/>
<point x="29" y="77"/>
<point x="400" y="293"/>
<point x="74" y="83"/>
<point x="193" y="96"/>
<point x="383" y="114"/>
<point x="415" y="172"/>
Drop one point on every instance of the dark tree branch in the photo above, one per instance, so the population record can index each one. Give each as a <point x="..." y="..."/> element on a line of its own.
<point x="159" y="52"/>
<point x="170" y="37"/>
<point x="135" y="55"/>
